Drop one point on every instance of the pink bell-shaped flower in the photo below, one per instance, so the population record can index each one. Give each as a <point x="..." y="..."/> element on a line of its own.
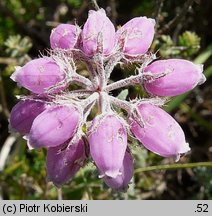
<point x="63" y="164"/>
<point x="98" y="25"/>
<point x="139" y="35"/>
<point x="54" y="126"/>
<point x="121" y="181"/>
<point x="39" y="75"/>
<point x="182" y="76"/>
<point x="108" y="143"/>
<point x="160" y="133"/>
<point x="64" y="36"/>
<point x="23" y="115"/>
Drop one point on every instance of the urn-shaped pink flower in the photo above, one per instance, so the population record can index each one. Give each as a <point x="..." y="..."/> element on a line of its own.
<point x="121" y="181"/>
<point x="160" y="133"/>
<point x="139" y="35"/>
<point x="54" y="126"/>
<point x="108" y="143"/>
<point x="23" y="115"/>
<point x="181" y="76"/>
<point x="64" y="36"/>
<point x="64" y="161"/>
<point x="39" y="75"/>
<point x="98" y="27"/>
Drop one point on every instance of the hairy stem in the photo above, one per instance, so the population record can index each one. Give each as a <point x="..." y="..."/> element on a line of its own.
<point x="75" y="95"/>
<point x="112" y="62"/>
<point x="104" y="103"/>
<point x="86" y="102"/>
<point x="136" y="79"/>
<point x="87" y="111"/>
<point x="131" y="109"/>
<point x="81" y="80"/>
<point x="121" y="104"/>
<point x="132" y="80"/>
<point x="80" y="93"/>
<point x="98" y="59"/>
<point x="92" y="72"/>
<point x="100" y="70"/>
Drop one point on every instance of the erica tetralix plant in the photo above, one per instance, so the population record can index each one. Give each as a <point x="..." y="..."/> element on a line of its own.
<point x="53" y="117"/>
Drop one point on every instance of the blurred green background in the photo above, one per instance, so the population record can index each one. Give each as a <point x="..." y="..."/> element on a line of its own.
<point x="183" y="31"/>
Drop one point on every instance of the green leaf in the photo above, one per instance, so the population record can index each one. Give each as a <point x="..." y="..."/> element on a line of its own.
<point x="204" y="56"/>
<point x="17" y="46"/>
<point x="123" y="94"/>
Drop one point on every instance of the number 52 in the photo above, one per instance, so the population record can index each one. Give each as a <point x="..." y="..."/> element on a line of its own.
<point x="202" y="208"/>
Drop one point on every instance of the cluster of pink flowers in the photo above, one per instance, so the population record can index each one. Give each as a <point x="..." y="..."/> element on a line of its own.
<point x="53" y="116"/>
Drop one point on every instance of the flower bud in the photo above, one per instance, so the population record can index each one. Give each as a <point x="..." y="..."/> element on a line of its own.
<point x="38" y="75"/>
<point x="182" y="76"/>
<point x="108" y="143"/>
<point x="121" y="181"/>
<point x="23" y="115"/>
<point x="63" y="164"/>
<point x="160" y="134"/>
<point x="98" y="24"/>
<point x="54" y="126"/>
<point x="139" y="35"/>
<point x="64" y="36"/>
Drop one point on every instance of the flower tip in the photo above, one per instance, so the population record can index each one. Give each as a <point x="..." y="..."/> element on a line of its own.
<point x="202" y="78"/>
<point x="112" y="173"/>
<point x="90" y="12"/>
<point x="185" y="149"/>
<point x="100" y="11"/>
<point x="14" y="75"/>
<point x="182" y="151"/>
<point x="53" y="30"/>
<point x="152" y="21"/>
<point x="200" y="67"/>
<point x="101" y="176"/>
<point x="177" y="158"/>
<point x="30" y="147"/>
<point x="148" y="19"/>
